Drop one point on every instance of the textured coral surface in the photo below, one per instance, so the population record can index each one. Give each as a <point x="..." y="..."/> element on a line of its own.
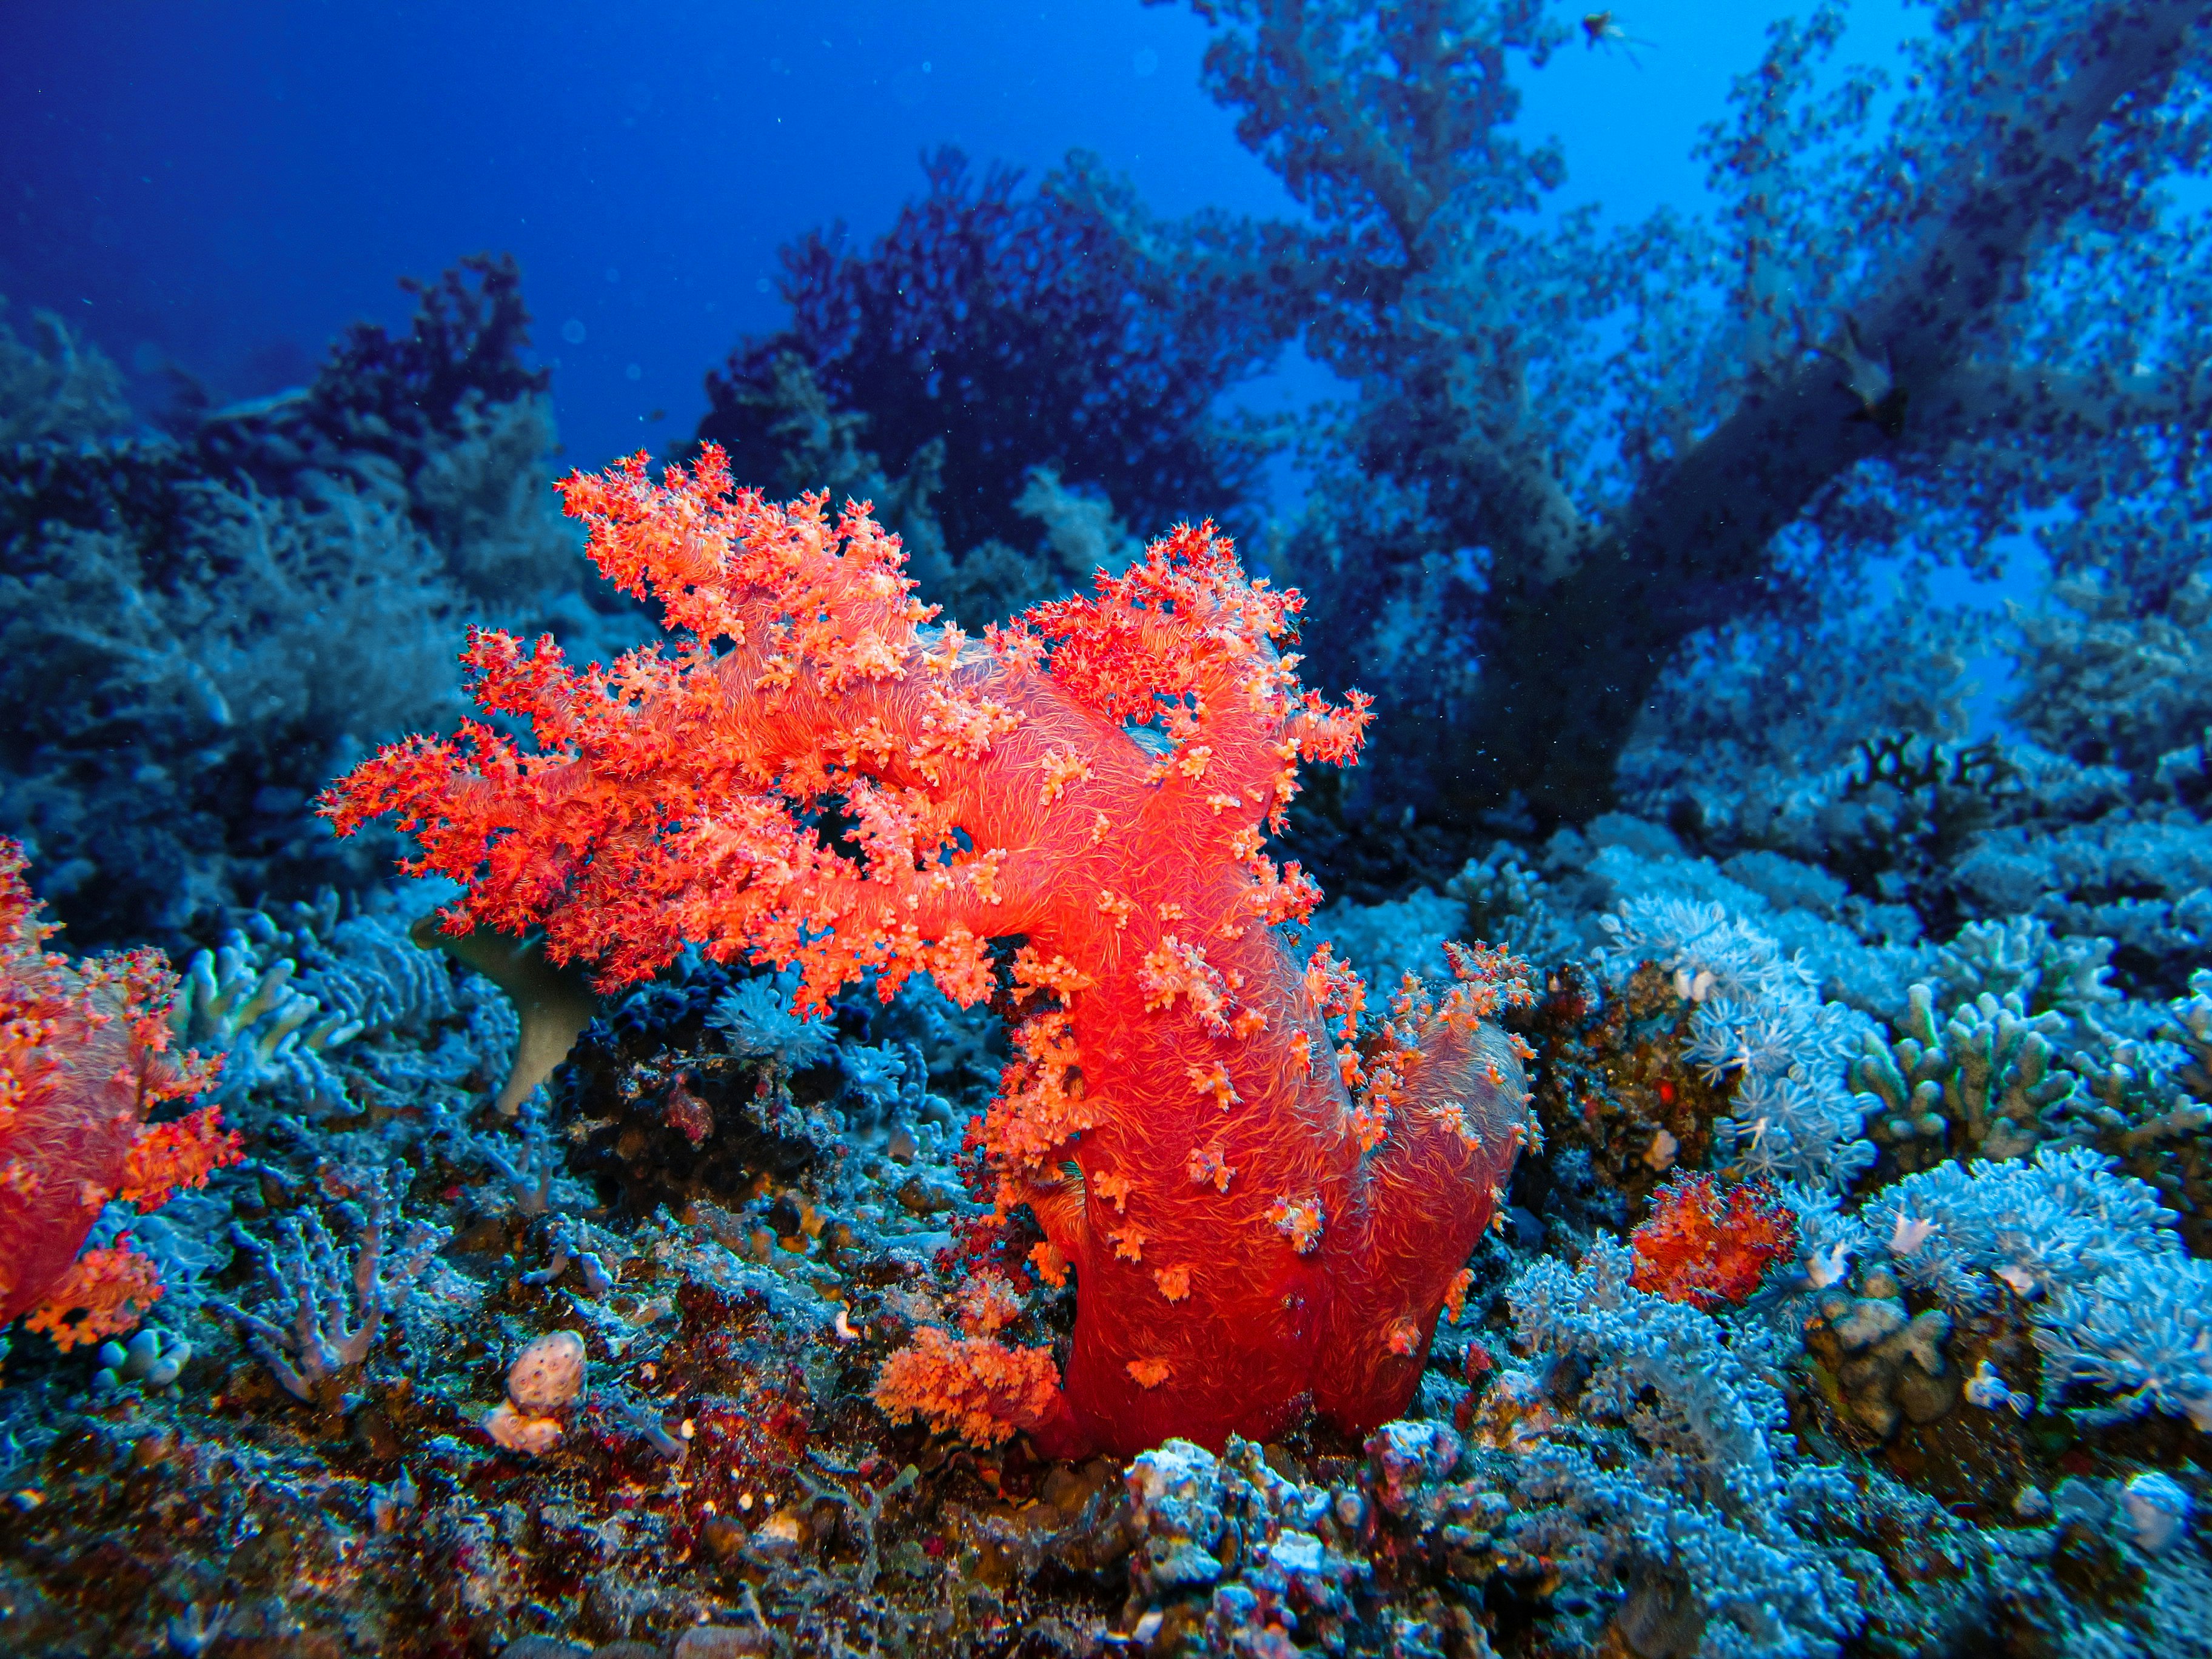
<point x="1706" y="1244"/>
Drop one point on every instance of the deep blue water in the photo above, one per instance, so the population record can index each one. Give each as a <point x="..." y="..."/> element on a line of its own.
<point x="225" y="187"/>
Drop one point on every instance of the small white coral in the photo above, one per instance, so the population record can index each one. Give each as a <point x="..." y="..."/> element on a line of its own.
<point x="757" y="1018"/>
<point x="2157" y="1509"/>
<point x="518" y="1431"/>
<point x="548" y="1374"/>
<point x="1907" y="1233"/>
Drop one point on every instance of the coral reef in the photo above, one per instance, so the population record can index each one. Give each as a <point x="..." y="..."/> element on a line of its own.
<point x="198" y="628"/>
<point x="853" y="1142"/>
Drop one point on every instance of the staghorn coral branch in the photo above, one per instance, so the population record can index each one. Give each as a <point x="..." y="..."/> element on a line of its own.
<point x="326" y="1340"/>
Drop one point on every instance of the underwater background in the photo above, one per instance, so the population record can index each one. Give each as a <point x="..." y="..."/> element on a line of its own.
<point x="858" y="1130"/>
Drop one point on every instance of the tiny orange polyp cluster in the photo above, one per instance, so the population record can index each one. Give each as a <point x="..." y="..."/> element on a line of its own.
<point x="103" y="1293"/>
<point x="1097" y="778"/>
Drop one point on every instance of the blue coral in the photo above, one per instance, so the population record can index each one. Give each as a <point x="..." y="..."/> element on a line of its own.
<point x="2141" y="1332"/>
<point x="1759" y="1019"/>
<point x="1704" y="1483"/>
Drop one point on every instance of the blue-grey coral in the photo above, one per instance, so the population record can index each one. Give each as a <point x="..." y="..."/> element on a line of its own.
<point x="2116" y="1303"/>
<point x="336" y="1312"/>
<point x="1977" y="1083"/>
<point x="2141" y="1332"/>
<point x="1759" y="1021"/>
<point x="1713" y="1490"/>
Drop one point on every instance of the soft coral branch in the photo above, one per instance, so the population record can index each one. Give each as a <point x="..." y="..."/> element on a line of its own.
<point x="1097" y="777"/>
<point x="84" y="1055"/>
<point x="102" y="1293"/>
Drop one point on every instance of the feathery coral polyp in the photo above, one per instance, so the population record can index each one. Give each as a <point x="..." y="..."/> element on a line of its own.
<point x="1249" y="1238"/>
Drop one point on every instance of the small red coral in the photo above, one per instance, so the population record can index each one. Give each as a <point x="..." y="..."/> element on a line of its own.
<point x="166" y="1158"/>
<point x="1705" y="1245"/>
<point x="104" y="1294"/>
<point x="977" y="1389"/>
<point x="988" y="1302"/>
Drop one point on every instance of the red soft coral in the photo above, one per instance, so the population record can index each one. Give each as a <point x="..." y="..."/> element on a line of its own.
<point x="974" y="1386"/>
<point x="83" y="1058"/>
<point x="103" y="1293"/>
<point x="1250" y="1237"/>
<point x="1705" y="1245"/>
<point x="166" y="1158"/>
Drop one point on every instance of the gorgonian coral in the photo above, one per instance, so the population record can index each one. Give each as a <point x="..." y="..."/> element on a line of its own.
<point x="1262" y="1215"/>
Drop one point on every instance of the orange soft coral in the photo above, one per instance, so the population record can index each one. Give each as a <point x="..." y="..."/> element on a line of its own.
<point x="167" y="1157"/>
<point x="973" y="1387"/>
<point x="103" y="1293"/>
<point x="1248" y="1236"/>
<point x="1707" y="1246"/>
<point x="83" y="1058"/>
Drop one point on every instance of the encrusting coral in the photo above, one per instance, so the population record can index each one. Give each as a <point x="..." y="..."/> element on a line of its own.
<point x="818" y="778"/>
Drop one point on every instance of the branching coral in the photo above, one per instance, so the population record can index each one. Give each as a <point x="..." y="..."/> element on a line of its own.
<point x="268" y="1030"/>
<point x="336" y="1314"/>
<point x="54" y="388"/>
<point x="1986" y="1074"/>
<point x="1644" y="447"/>
<point x="817" y="779"/>
<point x="988" y="329"/>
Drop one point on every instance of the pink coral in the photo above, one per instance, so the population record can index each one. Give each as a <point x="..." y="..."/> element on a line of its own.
<point x="1263" y="1215"/>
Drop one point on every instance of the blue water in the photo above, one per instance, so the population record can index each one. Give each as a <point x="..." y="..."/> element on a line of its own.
<point x="224" y="187"/>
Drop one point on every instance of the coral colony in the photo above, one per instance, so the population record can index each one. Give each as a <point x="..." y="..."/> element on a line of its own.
<point x="1262" y="1215"/>
<point x="858" y="1128"/>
